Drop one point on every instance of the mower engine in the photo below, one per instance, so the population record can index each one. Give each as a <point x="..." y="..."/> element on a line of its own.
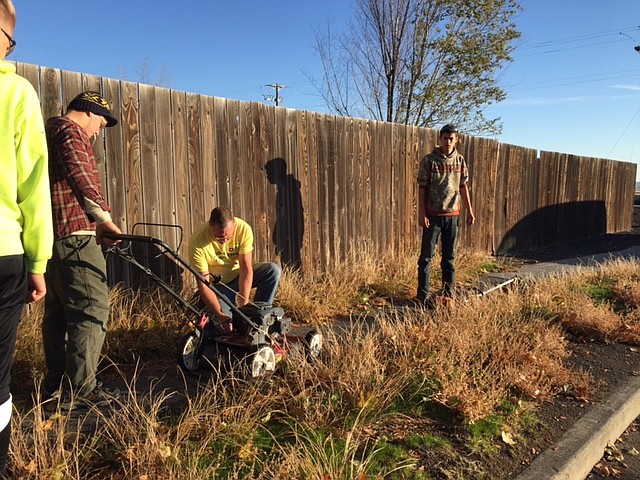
<point x="270" y="321"/>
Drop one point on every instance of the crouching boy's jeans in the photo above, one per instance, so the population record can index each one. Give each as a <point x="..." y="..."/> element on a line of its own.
<point x="266" y="278"/>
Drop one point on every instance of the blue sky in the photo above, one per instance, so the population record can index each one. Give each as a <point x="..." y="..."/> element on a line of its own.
<point x="574" y="86"/>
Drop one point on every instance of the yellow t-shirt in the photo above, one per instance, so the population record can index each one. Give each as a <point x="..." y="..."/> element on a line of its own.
<point x="208" y="255"/>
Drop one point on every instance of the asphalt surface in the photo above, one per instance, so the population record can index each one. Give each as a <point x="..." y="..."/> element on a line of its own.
<point x="579" y="449"/>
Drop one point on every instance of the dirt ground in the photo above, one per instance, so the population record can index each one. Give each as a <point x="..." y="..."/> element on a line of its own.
<point x="610" y="366"/>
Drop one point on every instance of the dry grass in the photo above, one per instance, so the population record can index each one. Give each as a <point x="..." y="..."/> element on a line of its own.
<point x="366" y="280"/>
<point x="314" y="297"/>
<point x="598" y="303"/>
<point x="323" y="420"/>
<point x="141" y="326"/>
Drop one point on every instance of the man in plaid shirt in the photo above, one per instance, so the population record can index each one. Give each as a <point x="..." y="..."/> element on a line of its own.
<point x="77" y="300"/>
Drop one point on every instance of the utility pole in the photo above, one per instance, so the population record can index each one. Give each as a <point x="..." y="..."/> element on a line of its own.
<point x="275" y="98"/>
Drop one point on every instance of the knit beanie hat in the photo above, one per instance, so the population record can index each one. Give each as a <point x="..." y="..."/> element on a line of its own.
<point x="448" y="128"/>
<point x="93" y="102"/>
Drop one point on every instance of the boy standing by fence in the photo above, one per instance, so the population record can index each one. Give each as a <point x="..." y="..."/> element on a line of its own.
<point x="442" y="181"/>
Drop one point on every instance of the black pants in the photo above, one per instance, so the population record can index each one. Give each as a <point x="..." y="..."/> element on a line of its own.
<point x="13" y="290"/>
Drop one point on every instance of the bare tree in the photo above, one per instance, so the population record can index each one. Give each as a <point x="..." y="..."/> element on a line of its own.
<point x="144" y="73"/>
<point x="419" y="62"/>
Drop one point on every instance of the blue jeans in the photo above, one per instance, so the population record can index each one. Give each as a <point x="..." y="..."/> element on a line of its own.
<point x="266" y="278"/>
<point x="447" y="229"/>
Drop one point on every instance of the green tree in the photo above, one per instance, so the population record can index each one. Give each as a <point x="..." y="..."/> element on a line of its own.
<point x="420" y="62"/>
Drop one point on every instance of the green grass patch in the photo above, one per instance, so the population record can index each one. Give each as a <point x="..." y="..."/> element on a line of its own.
<point x="417" y="396"/>
<point x="431" y="441"/>
<point x="395" y="462"/>
<point x="488" y="266"/>
<point x="484" y="433"/>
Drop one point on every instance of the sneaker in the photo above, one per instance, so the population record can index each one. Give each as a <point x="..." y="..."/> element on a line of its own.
<point x="98" y="397"/>
<point x="49" y="400"/>
<point x="46" y="394"/>
<point x="424" y="302"/>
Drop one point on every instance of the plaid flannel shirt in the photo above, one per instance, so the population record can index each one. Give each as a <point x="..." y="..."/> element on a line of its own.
<point x="74" y="177"/>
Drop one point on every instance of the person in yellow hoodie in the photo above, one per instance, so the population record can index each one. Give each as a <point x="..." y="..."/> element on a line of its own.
<point x="26" y="229"/>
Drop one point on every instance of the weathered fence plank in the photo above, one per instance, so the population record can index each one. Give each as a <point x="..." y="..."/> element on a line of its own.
<point x="179" y="153"/>
<point x="149" y="159"/>
<point x="315" y="216"/>
<point x="166" y="177"/>
<point x="212" y="183"/>
<point x="50" y="82"/>
<point x="131" y="155"/>
<point x="300" y="183"/>
<point x="194" y="158"/>
<point x="246" y="186"/>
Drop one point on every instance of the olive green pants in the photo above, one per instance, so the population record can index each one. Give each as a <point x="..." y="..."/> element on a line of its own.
<point x="76" y="314"/>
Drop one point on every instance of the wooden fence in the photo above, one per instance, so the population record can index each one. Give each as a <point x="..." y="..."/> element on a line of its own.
<point x="316" y="187"/>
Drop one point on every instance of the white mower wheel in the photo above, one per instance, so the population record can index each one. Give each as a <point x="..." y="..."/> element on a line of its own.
<point x="262" y="361"/>
<point x="188" y="353"/>
<point x="313" y="344"/>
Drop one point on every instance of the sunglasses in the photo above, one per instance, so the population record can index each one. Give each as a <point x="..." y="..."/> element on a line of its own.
<point x="12" y="42"/>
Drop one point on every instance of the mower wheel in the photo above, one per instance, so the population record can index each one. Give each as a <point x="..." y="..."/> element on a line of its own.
<point x="313" y="344"/>
<point x="262" y="362"/>
<point x="189" y="351"/>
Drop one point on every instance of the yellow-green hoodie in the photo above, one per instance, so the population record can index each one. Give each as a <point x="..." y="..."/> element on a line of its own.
<point x="25" y="202"/>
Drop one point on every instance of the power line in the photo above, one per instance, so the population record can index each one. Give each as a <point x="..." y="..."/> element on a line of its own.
<point x="608" y="76"/>
<point x="637" y="47"/>
<point x="571" y="43"/>
<point x="623" y="132"/>
<point x="556" y="50"/>
<point x="275" y="98"/>
<point x="568" y="81"/>
<point x="589" y="36"/>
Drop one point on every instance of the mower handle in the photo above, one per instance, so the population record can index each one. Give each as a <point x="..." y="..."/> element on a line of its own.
<point x="127" y="237"/>
<point x="210" y="280"/>
<point x="134" y="238"/>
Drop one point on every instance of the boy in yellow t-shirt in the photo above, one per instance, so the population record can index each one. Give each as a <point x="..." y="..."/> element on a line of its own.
<point x="223" y="246"/>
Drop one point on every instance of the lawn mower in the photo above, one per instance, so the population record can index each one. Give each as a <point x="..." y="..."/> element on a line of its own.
<point x="261" y="336"/>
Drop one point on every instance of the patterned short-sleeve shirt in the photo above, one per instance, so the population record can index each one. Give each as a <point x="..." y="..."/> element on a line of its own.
<point x="443" y="175"/>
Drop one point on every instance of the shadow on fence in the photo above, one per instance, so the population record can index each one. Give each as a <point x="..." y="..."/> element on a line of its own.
<point x="555" y="224"/>
<point x="288" y="230"/>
